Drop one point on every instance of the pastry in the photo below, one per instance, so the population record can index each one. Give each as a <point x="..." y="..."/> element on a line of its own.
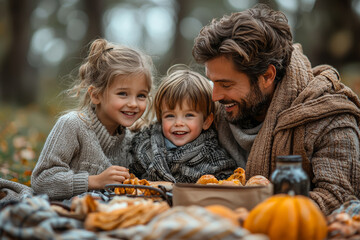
<point x="208" y="178"/>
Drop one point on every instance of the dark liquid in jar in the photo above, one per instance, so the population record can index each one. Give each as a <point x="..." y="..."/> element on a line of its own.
<point x="290" y="178"/>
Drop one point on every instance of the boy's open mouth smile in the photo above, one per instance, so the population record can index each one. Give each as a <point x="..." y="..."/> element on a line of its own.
<point x="179" y="133"/>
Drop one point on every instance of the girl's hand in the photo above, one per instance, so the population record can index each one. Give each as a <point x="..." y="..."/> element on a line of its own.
<point x="112" y="175"/>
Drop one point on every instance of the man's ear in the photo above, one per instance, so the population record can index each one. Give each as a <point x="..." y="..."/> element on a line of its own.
<point x="93" y="96"/>
<point x="266" y="80"/>
<point x="208" y="121"/>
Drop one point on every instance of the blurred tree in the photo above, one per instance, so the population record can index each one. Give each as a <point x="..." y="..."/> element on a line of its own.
<point x="19" y="82"/>
<point x="330" y="34"/>
<point x="17" y="79"/>
<point x="179" y="55"/>
<point x="328" y="31"/>
<point x="203" y="11"/>
<point x="94" y="10"/>
<point x="334" y="29"/>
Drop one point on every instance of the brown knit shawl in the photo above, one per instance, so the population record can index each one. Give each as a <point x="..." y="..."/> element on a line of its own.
<point x="304" y="95"/>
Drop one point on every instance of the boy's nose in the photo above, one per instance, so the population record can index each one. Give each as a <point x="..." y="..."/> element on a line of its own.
<point x="179" y="122"/>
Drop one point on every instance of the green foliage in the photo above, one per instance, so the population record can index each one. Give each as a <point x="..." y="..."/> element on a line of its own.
<point x="23" y="132"/>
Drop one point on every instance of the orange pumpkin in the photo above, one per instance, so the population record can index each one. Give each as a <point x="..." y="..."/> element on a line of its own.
<point x="287" y="217"/>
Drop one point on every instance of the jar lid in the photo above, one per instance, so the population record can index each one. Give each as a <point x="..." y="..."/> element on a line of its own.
<point x="289" y="158"/>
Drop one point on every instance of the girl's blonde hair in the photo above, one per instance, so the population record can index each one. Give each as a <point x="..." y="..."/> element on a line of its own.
<point x="182" y="84"/>
<point x="104" y="62"/>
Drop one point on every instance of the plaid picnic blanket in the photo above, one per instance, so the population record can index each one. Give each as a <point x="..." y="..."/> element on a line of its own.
<point x="32" y="218"/>
<point x="351" y="207"/>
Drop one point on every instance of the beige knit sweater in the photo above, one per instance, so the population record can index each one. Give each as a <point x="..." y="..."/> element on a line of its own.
<point x="77" y="146"/>
<point x="316" y="116"/>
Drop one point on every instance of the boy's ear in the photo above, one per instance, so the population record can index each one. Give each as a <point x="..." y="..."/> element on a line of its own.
<point x="208" y="121"/>
<point x="93" y="96"/>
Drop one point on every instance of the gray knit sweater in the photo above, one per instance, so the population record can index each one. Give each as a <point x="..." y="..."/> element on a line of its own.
<point x="78" y="146"/>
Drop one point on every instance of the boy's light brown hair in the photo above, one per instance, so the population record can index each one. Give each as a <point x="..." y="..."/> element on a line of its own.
<point x="182" y="84"/>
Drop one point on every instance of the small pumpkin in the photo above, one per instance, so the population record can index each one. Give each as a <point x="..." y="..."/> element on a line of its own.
<point x="287" y="217"/>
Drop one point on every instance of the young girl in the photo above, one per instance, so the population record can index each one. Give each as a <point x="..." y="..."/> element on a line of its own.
<point x="80" y="152"/>
<point x="182" y="146"/>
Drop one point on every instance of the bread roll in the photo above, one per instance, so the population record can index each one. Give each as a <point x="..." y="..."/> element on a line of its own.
<point x="257" y="180"/>
<point x="208" y="178"/>
<point x="234" y="182"/>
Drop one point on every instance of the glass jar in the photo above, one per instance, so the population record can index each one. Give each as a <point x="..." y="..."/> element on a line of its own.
<point x="289" y="176"/>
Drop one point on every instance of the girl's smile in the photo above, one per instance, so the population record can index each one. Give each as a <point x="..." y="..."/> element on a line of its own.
<point x="123" y="102"/>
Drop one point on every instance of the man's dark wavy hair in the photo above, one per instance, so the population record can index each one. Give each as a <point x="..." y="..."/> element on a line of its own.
<point x="253" y="39"/>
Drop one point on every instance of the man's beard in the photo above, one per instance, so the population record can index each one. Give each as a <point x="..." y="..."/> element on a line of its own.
<point x="255" y="104"/>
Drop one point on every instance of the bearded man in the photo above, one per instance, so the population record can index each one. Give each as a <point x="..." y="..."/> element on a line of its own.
<point x="274" y="103"/>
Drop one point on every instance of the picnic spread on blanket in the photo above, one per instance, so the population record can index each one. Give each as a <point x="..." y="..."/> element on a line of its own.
<point x="141" y="209"/>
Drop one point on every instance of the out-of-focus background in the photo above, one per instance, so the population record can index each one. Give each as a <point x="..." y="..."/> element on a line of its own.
<point x="42" y="41"/>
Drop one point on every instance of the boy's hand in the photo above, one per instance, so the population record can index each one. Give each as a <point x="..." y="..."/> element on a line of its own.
<point x="112" y="175"/>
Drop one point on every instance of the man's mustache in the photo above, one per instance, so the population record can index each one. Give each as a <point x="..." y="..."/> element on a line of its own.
<point x="226" y="102"/>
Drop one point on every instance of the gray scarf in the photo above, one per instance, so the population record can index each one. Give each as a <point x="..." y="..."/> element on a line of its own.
<point x="187" y="163"/>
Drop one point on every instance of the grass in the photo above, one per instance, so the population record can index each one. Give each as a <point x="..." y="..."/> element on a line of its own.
<point x="23" y="132"/>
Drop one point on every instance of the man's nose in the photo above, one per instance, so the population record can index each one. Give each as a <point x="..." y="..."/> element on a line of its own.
<point x="217" y="94"/>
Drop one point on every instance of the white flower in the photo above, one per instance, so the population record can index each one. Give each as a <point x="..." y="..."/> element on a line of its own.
<point x="27" y="154"/>
<point x="19" y="142"/>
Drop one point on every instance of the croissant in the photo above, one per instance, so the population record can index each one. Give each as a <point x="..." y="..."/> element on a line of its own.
<point x="238" y="174"/>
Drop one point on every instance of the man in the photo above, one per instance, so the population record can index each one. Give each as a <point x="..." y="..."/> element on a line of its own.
<point x="273" y="103"/>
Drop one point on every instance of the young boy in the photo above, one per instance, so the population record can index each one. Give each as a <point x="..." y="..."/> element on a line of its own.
<point x="182" y="146"/>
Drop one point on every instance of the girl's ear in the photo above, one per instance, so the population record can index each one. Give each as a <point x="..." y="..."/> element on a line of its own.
<point x="208" y="121"/>
<point x="93" y="96"/>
